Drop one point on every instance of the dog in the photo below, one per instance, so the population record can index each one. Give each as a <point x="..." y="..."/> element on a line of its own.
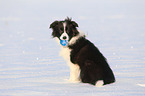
<point x="87" y="64"/>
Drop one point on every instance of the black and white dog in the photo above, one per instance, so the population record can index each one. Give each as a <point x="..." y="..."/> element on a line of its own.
<point x="86" y="62"/>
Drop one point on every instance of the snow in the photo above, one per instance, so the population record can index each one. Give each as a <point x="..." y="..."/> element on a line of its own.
<point x="29" y="60"/>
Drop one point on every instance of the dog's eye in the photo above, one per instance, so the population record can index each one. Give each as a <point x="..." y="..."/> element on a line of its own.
<point x="66" y="28"/>
<point x="61" y="29"/>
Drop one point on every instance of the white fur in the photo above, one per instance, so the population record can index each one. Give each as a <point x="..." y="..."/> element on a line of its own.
<point x="64" y="34"/>
<point x="74" y="72"/>
<point x="74" y="68"/>
<point x="65" y="53"/>
<point x="99" y="83"/>
<point x="73" y="40"/>
<point x="64" y="25"/>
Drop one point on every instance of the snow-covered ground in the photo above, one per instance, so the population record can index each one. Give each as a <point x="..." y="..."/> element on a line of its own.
<point x="29" y="60"/>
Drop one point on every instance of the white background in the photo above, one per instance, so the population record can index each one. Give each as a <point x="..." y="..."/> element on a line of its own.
<point x="29" y="58"/>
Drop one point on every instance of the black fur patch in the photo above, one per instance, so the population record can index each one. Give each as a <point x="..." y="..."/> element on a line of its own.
<point x="92" y="63"/>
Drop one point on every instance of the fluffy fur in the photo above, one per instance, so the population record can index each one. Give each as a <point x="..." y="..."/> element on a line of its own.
<point x="86" y="62"/>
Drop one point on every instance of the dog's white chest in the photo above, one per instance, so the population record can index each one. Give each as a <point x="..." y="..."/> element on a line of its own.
<point x="65" y="53"/>
<point x="74" y="68"/>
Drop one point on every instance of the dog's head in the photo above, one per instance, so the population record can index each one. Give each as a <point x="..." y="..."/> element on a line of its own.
<point x="64" y="30"/>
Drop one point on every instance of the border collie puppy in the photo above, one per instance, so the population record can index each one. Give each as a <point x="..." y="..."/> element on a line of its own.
<point x="86" y="62"/>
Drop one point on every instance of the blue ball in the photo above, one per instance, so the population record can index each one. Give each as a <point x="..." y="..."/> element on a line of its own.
<point x="64" y="42"/>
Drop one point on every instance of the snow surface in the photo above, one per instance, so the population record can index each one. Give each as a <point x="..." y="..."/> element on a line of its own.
<point x="29" y="60"/>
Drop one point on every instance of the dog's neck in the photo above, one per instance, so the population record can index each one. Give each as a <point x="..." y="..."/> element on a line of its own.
<point x="74" y="39"/>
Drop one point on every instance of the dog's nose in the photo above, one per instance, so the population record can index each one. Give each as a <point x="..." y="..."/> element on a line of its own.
<point x="64" y="37"/>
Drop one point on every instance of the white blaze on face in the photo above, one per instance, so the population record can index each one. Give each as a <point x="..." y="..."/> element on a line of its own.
<point x="64" y="36"/>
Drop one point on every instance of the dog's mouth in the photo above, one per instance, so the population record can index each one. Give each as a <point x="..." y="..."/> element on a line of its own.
<point x="64" y="42"/>
<point x="64" y="38"/>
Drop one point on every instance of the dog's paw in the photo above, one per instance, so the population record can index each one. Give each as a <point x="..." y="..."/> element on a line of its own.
<point x="99" y="83"/>
<point x="74" y="80"/>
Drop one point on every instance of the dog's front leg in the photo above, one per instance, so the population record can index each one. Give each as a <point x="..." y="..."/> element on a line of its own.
<point x="74" y="72"/>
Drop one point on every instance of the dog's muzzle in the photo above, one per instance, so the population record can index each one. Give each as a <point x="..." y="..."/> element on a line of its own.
<point x="64" y="39"/>
<point x="64" y="36"/>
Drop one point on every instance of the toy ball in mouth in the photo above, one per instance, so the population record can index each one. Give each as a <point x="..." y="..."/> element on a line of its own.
<point x="64" y="42"/>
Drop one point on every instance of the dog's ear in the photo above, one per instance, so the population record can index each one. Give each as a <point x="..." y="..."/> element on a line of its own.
<point x="53" y="24"/>
<point x="74" y="24"/>
<point x="74" y="29"/>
